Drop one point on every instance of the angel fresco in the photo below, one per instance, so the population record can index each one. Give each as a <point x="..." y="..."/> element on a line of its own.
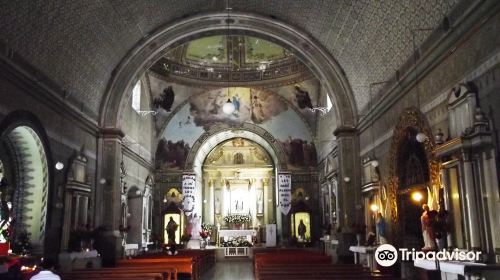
<point x="302" y="98"/>
<point x="165" y="100"/>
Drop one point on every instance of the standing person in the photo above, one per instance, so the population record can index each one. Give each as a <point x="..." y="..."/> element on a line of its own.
<point x="48" y="265"/>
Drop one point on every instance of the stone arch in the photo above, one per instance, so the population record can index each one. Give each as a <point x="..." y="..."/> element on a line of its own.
<point x="27" y="144"/>
<point x="148" y="51"/>
<point x="224" y="132"/>
<point x="411" y="118"/>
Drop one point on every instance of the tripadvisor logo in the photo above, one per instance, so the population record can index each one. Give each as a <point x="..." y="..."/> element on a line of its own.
<point x="386" y="255"/>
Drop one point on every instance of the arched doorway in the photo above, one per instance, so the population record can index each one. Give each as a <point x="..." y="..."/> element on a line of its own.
<point x="238" y="179"/>
<point x="25" y="185"/>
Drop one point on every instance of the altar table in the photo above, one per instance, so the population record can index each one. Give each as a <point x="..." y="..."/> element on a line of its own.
<point x="248" y="233"/>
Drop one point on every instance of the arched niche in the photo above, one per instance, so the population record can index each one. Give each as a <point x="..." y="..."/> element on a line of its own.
<point x="134" y="216"/>
<point x="148" y="51"/>
<point x="222" y="132"/>
<point x="27" y="183"/>
<point x="406" y="154"/>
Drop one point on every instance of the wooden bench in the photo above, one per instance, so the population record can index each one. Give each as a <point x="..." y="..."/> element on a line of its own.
<point x="294" y="264"/>
<point x="167" y="272"/>
<point x="184" y="265"/>
<point x="113" y="275"/>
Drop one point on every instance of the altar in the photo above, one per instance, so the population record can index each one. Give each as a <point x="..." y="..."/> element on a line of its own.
<point x="248" y="233"/>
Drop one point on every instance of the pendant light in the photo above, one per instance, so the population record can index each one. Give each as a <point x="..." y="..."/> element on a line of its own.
<point x="421" y="136"/>
<point x="228" y="107"/>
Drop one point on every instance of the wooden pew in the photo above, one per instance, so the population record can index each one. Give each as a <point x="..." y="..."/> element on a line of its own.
<point x="295" y="264"/>
<point x="169" y="273"/>
<point x="186" y="265"/>
<point x="114" y="276"/>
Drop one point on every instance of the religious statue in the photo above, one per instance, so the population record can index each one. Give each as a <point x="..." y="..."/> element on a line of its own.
<point x="195" y="226"/>
<point x="302" y="230"/>
<point x="441" y="227"/>
<point x="427" y="228"/>
<point x="217" y="205"/>
<point x="380" y="226"/>
<point x="260" y="204"/>
<point x="171" y="229"/>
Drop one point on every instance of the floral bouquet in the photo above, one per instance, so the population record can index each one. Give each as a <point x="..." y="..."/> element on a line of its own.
<point x="237" y="242"/>
<point x="237" y="218"/>
<point x="204" y="234"/>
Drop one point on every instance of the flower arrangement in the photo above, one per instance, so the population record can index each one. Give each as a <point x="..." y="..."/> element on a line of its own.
<point x="237" y="242"/>
<point x="204" y="234"/>
<point x="237" y="218"/>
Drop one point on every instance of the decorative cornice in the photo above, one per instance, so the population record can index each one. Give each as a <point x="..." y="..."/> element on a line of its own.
<point x="343" y="131"/>
<point x="111" y="132"/>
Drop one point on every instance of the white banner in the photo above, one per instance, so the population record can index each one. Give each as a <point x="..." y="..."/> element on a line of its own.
<point x="188" y="187"/>
<point x="285" y="192"/>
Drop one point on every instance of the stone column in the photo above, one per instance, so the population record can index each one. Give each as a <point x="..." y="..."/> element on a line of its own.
<point x="447" y="203"/>
<point x="108" y="194"/>
<point x="211" y="201"/>
<point x="467" y="180"/>
<point x="491" y="193"/>
<point x="349" y="193"/>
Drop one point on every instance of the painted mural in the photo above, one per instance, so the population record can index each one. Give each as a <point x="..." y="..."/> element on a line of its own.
<point x="303" y="96"/>
<point x="260" y="107"/>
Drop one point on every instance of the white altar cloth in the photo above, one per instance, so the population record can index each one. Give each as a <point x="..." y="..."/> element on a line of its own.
<point x="248" y="233"/>
<point x="237" y="232"/>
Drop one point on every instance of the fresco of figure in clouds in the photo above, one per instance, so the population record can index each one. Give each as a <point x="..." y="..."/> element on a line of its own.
<point x="300" y="153"/>
<point x="170" y="155"/>
<point x="165" y="100"/>
<point x="251" y="105"/>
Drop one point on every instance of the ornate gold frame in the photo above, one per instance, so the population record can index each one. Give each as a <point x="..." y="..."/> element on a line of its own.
<point x="411" y="117"/>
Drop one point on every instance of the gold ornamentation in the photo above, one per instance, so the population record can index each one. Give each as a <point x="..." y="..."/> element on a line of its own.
<point x="411" y="117"/>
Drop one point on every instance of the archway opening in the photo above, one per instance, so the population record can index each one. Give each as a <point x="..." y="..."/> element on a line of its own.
<point x="238" y="179"/>
<point x="24" y="190"/>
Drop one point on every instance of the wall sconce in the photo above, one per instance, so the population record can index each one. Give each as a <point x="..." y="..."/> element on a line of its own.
<point x="421" y="137"/>
<point x="374" y="207"/>
<point x="375" y="163"/>
<point x="417" y="196"/>
<point x="59" y="165"/>
<point x="102" y="181"/>
<point x="347" y="179"/>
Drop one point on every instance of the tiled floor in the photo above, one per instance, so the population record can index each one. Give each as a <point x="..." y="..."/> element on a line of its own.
<point x="230" y="270"/>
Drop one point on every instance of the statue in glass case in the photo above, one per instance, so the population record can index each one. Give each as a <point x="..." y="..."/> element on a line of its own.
<point x="302" y="230"/>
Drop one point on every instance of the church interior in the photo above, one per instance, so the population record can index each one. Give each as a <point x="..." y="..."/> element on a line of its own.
<point x="228" y="139"/>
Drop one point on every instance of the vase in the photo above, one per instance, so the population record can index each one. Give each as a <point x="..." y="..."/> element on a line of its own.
<point x="203" y="243"/>
<point x="358" y="238"/>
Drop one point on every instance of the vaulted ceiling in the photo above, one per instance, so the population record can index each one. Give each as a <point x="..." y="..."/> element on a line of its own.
<point x="77" y="44"/>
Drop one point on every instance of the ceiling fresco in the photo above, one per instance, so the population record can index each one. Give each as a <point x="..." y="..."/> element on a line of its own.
<point x="257" y="106"/>
<point x="241" y="52"/>
<point x="299" y="97"/>
<point x="369" y="39"/>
